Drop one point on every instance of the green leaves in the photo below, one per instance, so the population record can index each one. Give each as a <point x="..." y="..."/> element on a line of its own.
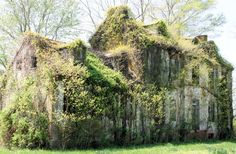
<point x="99" y="74"/>
<point x="22" y="124"/>
<point x="191" y="18"/>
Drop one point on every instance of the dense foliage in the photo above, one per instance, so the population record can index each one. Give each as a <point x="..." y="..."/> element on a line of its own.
<point x="23" y="124"/>
<point x="120" y="28"/>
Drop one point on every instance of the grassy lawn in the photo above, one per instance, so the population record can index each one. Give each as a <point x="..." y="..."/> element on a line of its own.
<point x="224" y="147"/>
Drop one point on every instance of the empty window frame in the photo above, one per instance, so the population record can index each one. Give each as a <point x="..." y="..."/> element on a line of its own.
<point x="33" y="62"/>
<point x="195" y="114"/>
<point x="172" y="109"/>
<point x="195" y="76"/>
<point x="19" y="64"/>
<point x="211" y="111"/>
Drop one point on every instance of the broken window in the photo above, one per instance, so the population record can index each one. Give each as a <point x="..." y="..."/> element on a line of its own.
<point x="18" y="64"/>
<point x="195" y="114"/>
<point x="173" y="110"/>
<point x="211" y="111"/>
<point x="195" y="76"/>
<point x="65" y="105"/>
<point x="59" y="97"/>
<point x="214" y="74"/>
<point x="33" y="62"/>
<point x="69" y="106"/>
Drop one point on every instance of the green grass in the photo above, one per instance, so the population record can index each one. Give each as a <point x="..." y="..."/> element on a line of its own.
<point x="218" y="147"/>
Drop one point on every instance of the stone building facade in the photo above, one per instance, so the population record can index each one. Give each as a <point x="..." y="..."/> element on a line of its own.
<point x="193" y="105"/>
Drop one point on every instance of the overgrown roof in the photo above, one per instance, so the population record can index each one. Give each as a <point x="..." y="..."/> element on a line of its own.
<point x="213" y="50"/>
<point x="120" y="28"/>
<point x="46" y="44"/>
<point x="34" y="39"/>
<point x="98" y="73"/>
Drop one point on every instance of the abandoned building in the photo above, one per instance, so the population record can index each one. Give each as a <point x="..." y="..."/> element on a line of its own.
<point x="198" y="105"/>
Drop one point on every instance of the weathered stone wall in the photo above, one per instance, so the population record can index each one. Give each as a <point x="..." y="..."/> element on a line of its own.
<point x="25" y="65"/>
<point x="161" y="66"/>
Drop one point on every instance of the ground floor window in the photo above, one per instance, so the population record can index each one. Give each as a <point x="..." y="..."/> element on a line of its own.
<point x="211" y="111"/>
<point x="173" y="110"/>
<point x="195" y="114"/>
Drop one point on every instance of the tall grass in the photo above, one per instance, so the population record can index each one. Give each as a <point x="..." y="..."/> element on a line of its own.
<point x="217" y="147"/>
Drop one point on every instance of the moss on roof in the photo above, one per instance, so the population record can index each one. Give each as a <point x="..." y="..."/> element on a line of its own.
<point x="46" y="44"/>
<point x="159" y="27"/>
<point x="120" y="28"/>
<point x="213" y="50"/>
<point x="99" y="74"/>
<point x="41" y="42"/>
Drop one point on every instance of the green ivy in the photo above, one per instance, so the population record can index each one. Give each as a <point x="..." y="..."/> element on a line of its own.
<point x="120" y="28"/>
<point x="22" y="124"/>
<point x="101" y="75"/>
<point x="213" y="50"/>
<point x="159" y="27"/>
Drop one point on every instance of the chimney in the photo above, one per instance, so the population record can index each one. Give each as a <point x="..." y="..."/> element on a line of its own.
<point x="200" y="39"/>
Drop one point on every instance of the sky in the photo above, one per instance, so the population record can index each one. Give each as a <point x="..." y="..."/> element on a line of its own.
<point x="226" y="41"/>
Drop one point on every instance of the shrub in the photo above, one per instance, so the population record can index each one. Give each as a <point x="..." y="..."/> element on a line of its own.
<point x="22" y="125"/>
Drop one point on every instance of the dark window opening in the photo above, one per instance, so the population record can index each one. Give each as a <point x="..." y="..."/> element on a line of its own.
<point x="211" y="111"/>
<point x="195" y="76"/>
<point x="173" y="110"/>
<point x="34" y="62"/>
<point x="216" y="73"/>
<point x="214" y="77"/>
<point x="195" y="114"/>
<point x="18" y="64"/>
<point x="68" y="105"/>
<point x="212" y="74"/>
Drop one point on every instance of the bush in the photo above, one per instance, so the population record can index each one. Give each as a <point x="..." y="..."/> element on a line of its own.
<point x="21" y="124"/>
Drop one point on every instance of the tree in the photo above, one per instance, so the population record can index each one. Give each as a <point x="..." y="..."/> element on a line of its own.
<point x="96" y="9"/>
<point x="142" y="7"/>
<point x="234" y="98"/>
<point x="3" y="55"/>
<point x="56" y="19"/>
<point x="188" y="17"/>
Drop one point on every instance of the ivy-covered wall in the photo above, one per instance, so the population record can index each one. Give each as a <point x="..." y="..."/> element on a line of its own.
<point x="137" y="85"/>
<point x="183" y="66"/>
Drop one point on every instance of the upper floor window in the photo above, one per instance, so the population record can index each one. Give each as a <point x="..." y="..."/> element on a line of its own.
<point x="211" y="111"/>
<point x="33" y="62"/>
<point x="195" y="75"/>
<point x="18" y="64"/>
<point x="214" y="73"/>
